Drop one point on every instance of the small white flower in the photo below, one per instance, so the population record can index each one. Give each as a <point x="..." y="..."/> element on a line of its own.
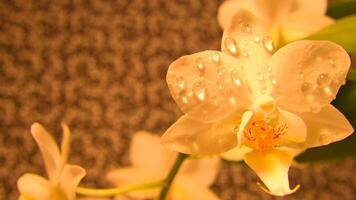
<point x="62" y="177"/>
<point x="269" y="108"/>
<point x="150" y="162"/>
<point x="286" y="20"/>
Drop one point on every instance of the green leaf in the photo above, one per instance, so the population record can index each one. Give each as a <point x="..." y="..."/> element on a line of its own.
<point x="343" y="32"/>
<point x="342" y="9"/>
<point x="346" y="103"/>
<point x="352" y="75"/>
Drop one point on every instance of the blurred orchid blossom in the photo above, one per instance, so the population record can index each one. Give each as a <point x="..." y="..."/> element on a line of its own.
<point x="152" y="162"/>
<point x="265" y="108"/>
<point x="63" y="178"/>
<point x="286" y="20"/>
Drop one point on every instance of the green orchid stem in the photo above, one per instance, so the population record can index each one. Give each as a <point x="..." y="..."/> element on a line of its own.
<point x="172" y="174"/>
<point x="119" y="190"/>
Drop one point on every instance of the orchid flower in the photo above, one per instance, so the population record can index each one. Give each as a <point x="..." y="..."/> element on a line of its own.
<point x="264" y="108"/>
<point x="63" y="178"/>
<point x="286" y="20"/>
<point x="152" y="162"/>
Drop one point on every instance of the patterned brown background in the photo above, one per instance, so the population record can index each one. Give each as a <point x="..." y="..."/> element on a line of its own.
<point x="99" y="65"/>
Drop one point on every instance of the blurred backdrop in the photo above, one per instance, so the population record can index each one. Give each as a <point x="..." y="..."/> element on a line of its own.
<point x="100" y="67"/>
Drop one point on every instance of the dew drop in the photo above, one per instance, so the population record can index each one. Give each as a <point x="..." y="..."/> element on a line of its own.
<point x="259" y="76"/>
<point x="236" y="129"/>
<point x="235" y="76"/>
<point x="273" y="80"/>
<point x="331" y="61"/>
<point x="248" y="28"/>
<point x="257" y="38"/>
<point x="179" y="82"/>
<point x="232" y="100"/>
<point x="214" y="100"/>
<point x="324" y="139"/>
<point x="301" y="75"/>
<point x="267" y="43"/>
<point x="215" y="57"/>
<point x="244" y="54"/>
<point x="199" y="90"/>
<point x="220" y="85"/>
<point x="200" y="65"/>
<point x="221" y="72"/>
<point x="323" y="80"/>
<point x="269" y="68"/>
<point x="306" y="88"/>
<point x="327" y="91"/>
<point x="184" y="99"/>
<point x="231" y="46"/>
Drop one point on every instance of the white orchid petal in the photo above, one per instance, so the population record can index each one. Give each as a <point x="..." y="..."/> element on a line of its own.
<point x="207" y="85"/>
<point x="301" y="24"/>
<point x="236" y="154"/>
<point x="188" y="189"/>
<point x="308" y="74"/>
<point x="70" y="177"/>
<point x="229" y="8"/>
<point x="329" y="125"/>
<point x="272" y="11"/>
<point x="190" y="136"/>
<point x="49" y="150"/>
<point x="247" y="40"/>
<point x="146" y="150"/>
<point x="296" y="130"/>
<point x="65" y="146"/>
<point x="272" y="167"/>
<point x="136" y="175"/>
<point x="203" y="170"/>
<point x="32" y="186"/>
<point x="316" y="7"/>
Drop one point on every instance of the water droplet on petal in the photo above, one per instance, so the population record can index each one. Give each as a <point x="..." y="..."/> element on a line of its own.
<point x="215" y="57"/>
<point x="221" y="71"/>
<point x="267" y="43"/>
<point x="259" y="76"/>
<point x="235" y="129"/>
<point x="179" y="82"/>
<point x="273" y="80"/>
<point x="244" y="54"/>
<point x="184" y="99"/>
<point x="220" y="85"/>
<point x="257" y="38"/>
<point x="248" y="28"/>
<point x="327" y="91"/>
<point x="232" y="100"/>
<point x="324" y="139"/>
<point x="306" y="88"/>
<point x="323" y="80"/>
<point x="235" y="76"/>
<point x="231" y="46"/>
<point x="214" y="100"/>
<point x="301" y="75"/>
<point x="269" y="68"/>
<point x="331" y="61"/>
<point x="199" y="90"/>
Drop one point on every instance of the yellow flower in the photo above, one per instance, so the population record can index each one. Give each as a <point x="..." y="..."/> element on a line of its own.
<point x="267" y="107"/>
<point x="150" y="161"/>
<point x="63" y="178"/>
<point x="286" y="20"/>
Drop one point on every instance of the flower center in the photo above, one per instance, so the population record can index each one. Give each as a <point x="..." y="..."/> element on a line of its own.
<point x="262" y="135"/>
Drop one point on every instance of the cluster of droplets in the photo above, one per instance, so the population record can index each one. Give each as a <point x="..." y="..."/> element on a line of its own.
<point x="327" y="136"/>
<point x="195" y="93"/>
<point x="324" y="84"/>
<point x="233" y="49"/>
